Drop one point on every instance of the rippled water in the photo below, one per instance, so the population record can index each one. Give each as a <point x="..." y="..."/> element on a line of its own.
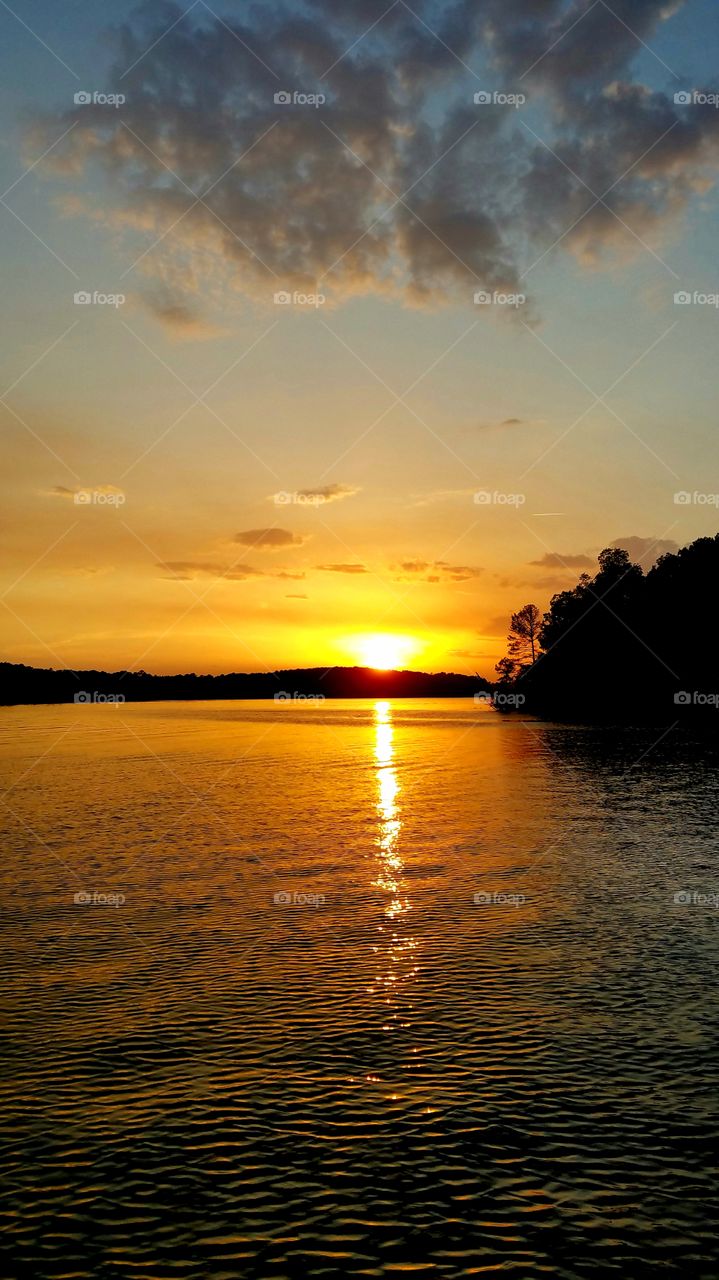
<point x="394" y="989"/>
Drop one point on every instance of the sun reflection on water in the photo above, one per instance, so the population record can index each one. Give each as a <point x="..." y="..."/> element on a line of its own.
<point x="390" y="879"/>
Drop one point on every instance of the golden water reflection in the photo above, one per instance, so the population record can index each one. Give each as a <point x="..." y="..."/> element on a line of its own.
<point x="398" y="946"/>
<point x="391" y="867"/>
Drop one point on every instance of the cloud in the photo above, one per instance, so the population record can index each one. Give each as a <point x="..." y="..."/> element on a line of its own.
<point x="646" y="551"/>
<point x="185" y="570"/>
<point x="553" y="560"/>
<point x="343" y="568"/>
<point x="99" y="490"/>
<point x="289" y="194"/>
<point x="182" y="319"/>
<point x="269" y="539"/>
<point x="320" y="495"/>
<point x="435" y="571"/>
<point x="296" y="597"/>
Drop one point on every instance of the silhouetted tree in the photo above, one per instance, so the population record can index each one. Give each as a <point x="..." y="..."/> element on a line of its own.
<point x="507" y="669"/>
<point x="523" y="635"/>
<point x="622" y="645"/>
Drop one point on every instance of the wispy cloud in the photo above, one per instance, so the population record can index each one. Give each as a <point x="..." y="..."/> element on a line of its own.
<point x="343" y="568"/>
<point x="187" y="569"/>
<point x="322" y="494"/>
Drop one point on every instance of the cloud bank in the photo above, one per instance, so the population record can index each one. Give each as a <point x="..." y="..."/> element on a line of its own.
<point x="398" y="183"/>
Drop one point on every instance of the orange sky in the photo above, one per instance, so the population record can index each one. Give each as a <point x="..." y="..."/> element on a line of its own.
<point x="201" y="475"/>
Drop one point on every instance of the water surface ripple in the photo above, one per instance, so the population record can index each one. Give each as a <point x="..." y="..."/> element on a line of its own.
<point x="396" y="989"/>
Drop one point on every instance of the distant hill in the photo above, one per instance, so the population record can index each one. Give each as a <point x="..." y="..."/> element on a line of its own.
<point x="21" y="684"/>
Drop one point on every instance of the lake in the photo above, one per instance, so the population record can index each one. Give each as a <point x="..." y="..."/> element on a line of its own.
<point x="394" y="989"/>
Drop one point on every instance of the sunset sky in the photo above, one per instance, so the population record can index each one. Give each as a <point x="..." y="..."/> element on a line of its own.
<point x="268" y="484"/>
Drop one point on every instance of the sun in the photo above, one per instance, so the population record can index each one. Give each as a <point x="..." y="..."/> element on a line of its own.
<point x="384" y="652"/>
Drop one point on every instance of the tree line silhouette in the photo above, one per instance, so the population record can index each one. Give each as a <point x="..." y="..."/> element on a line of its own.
<point x="622" y="645"/>
<point x="22" y="684"/>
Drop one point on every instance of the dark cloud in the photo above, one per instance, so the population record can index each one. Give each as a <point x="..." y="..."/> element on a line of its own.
<point x="185" y="570"/>
<point x="283" y="196"/>
<point x="343" y="568"/>
<point x="182" y="319"/>
<point x="553" y="560"/>
<point x="435" y="571"/>
<point x="646" y="551"/>
<point x="319" y="495"/>
<point x="269" y="539"/>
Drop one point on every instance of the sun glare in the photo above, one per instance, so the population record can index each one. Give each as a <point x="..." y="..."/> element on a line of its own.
<point x="383" y="652"/>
